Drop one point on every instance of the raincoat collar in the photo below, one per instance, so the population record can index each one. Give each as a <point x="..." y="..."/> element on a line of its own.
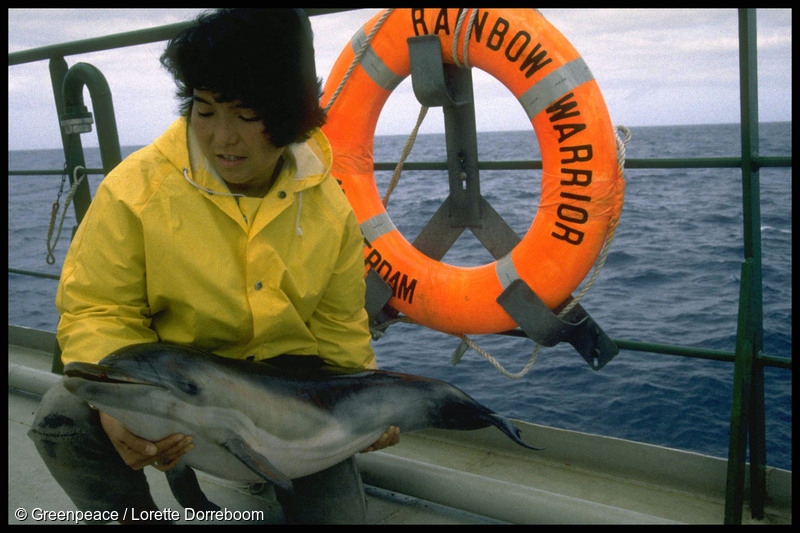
<point x="305" y="164"/>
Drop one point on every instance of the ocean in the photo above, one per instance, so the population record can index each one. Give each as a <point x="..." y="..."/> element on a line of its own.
<point x="672" y="277"/>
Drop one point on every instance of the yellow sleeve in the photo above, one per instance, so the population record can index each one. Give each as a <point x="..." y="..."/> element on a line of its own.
<point x="340" y="321"/>
<point x="102" y="297"/>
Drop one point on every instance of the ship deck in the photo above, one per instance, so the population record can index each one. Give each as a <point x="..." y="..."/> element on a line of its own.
<point x="436" y="476"/>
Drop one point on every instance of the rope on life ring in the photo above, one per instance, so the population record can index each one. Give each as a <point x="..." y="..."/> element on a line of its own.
<point x="582" y="188"/>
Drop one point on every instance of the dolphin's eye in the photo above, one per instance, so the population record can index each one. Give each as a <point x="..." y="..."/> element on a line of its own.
<point x="188" y="387"/>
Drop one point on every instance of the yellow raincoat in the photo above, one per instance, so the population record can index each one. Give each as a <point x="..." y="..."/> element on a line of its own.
<point x="164" y="254"/>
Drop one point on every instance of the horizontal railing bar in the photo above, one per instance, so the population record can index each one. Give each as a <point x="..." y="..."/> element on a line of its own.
<point x="51" y="172"/>
<point x="96" y="44"/>
<point x="722" y="162"/>
<point x="683" y="351"/>
<point x="774" y="161"/>
<point x="33" y="273"/>
<point x="707" y="162"/>
<point x="775" y="361"/>
<point x="117" y="40"/>
<point x="699" y="353"/>
<point x="698" y="162"/>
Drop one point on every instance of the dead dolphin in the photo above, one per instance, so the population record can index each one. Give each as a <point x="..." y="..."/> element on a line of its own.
<point x="254" y="421"/>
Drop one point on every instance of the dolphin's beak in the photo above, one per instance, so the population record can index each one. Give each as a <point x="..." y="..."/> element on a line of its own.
<point x="101" y="373"/>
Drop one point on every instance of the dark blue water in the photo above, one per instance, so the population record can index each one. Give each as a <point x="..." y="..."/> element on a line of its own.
<point x="672" y="277"/>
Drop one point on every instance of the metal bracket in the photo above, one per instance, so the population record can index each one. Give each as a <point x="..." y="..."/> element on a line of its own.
<point x="378" y="293"/>
<point x="77" y="120"/>
<point x="542" y="325"/>
<point x="436" y="84"/>
<point x="431" y="87"/>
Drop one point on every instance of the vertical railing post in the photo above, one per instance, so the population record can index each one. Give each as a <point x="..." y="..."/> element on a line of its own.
<point x="74" y="119"/>
<point x="73" y="149"/>
<point x="58" y="71"/>
<point x="79" y="76"/>
<point x="84" y="74"/>
<point x="741" y="402"/>
<point x="747" y="417"/>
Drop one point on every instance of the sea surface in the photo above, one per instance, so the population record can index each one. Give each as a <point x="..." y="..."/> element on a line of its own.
<point x="672" y="277"/>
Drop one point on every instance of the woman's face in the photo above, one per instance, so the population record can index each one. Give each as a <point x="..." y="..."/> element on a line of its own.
<point x="232" y="139"/>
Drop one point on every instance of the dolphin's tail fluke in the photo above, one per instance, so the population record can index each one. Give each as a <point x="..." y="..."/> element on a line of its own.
<point x="505" y="425"/>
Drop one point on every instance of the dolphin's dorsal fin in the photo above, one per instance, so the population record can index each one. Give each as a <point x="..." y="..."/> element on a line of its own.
<point x="184" y="486"/>
<point x="257" y="463"/>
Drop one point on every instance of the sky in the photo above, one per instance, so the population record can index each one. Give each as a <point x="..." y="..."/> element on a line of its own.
<point x="654" y="67"/>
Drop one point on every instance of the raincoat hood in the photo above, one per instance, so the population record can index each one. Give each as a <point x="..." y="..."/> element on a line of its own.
<point x="308" y="164"/>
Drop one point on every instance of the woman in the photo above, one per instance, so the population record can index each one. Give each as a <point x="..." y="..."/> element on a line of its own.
<point x="228" y="233"/>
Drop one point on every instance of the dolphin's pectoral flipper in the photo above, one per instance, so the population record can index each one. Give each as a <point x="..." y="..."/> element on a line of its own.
<point x="258" y="463"/>
<point x="183" y="483"/>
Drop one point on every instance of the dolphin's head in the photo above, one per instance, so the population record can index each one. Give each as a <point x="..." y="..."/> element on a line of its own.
<point x="155" y="365"/>
<point x="154" y="389"/>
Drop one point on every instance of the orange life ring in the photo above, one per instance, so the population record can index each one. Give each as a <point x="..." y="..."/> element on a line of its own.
<point x="582" y="189"/>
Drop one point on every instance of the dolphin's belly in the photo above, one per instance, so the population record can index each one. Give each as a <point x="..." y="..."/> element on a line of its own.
<point x="299" y="459"/>
<point x="213" y="459"/>
<point x="292" y="461"/>
<point x="293" y="458"/>
<point x="206" y="455"/>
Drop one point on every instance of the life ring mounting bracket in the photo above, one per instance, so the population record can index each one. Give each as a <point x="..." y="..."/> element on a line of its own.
<point x="544" y="326"/>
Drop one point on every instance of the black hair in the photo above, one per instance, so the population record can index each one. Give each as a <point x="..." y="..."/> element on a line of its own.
<point x="262" y="57"/>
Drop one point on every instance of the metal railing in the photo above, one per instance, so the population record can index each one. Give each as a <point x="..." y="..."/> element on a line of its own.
<point x="747" y="418"/>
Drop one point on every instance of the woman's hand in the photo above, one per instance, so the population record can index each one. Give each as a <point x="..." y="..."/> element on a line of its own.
<point x="138" y="452"/>
<point x="389" y="438"/>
